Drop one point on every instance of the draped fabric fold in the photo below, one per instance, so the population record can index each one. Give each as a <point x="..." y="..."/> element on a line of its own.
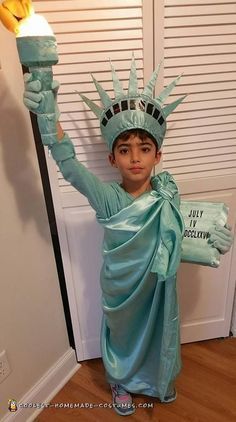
<point x="140" y="328"/>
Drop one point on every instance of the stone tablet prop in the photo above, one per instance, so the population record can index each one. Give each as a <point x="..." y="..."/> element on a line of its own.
<point x="199" y="219"/>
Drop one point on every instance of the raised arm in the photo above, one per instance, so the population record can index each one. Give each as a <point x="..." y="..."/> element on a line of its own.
<point x="62" y="150"/>
<point x="101" y="196"/>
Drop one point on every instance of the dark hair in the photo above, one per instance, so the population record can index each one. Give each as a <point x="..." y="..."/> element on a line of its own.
<point x="140" y="133"/>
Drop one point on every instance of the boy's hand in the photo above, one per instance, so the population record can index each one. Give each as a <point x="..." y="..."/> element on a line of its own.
<point x="33" y="96"/>
<point x="12" y="11"/>
<point x="221" y="238"/>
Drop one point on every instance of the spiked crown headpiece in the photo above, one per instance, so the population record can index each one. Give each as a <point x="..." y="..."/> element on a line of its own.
<point x="133" y="110"/>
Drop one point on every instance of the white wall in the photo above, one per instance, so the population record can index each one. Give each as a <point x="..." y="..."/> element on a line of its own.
<point x="32" y="324"/>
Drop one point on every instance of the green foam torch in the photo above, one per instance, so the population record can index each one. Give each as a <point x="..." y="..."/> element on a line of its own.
<point x="37" y="49"/>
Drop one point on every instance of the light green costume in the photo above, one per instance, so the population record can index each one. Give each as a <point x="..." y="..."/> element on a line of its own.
<point x="140" y="332"/>
<point x="142" y="241"/>
<point x="141" y="250"/>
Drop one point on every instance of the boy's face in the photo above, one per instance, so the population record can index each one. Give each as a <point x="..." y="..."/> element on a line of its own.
<point x="135" y="158"/>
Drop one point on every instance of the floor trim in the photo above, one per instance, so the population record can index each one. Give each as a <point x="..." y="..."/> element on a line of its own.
<point x="45" y="389"/>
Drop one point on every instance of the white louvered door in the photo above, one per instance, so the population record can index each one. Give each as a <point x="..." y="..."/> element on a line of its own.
<point x="198" y="39"/>
<point x="88" y="33"/>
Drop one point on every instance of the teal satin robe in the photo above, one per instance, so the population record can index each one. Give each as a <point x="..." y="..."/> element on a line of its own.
<point x="140" y="329"/>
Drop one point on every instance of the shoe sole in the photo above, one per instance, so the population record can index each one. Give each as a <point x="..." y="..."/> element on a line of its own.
<point x="128" y="413"/>
<point x="170" y="399"/>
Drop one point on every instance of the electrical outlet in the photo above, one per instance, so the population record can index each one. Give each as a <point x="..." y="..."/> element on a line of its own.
<point x="5" y="369"/>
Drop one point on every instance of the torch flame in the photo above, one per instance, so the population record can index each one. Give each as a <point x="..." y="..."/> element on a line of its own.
<point x="34" y="25"/>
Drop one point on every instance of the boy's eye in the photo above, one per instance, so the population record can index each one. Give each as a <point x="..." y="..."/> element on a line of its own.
<point x="146" y="149"/>
<point x="123" y="150"/>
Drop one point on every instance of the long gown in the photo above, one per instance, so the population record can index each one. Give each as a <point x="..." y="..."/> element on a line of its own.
<point x="140" y="341"/>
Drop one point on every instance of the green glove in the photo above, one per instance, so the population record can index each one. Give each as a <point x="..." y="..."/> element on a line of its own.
<point x="221" y="238"/>
<point x="33" y="97"/>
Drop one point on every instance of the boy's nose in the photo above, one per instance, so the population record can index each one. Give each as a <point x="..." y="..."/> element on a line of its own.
<point x="135" y="160"/>
<point x="135" y="157"/>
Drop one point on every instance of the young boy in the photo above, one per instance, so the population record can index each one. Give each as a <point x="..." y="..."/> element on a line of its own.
<point x="142" y="242"/>
<point x="143" y="231"/>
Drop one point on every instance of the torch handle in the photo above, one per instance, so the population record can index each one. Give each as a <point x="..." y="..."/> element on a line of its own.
<point x="46" y="114"/>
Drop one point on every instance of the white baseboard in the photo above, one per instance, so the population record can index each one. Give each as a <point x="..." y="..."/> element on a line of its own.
<point x="46" y="388"/>
<point x="233" y="320"/>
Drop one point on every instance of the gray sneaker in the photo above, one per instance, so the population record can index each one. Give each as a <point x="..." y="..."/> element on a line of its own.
<point x="122" y="400"/>
<point x="170" y="396"/>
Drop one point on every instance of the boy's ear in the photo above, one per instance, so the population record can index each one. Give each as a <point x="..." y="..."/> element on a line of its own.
<point x="112" y="160"/>
<point x="158" y="157"/>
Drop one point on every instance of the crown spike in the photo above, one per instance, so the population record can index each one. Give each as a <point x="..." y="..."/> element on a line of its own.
<point x="93" y="107"/>
<point x="172" y="106"/>
<point x="105" y="99"/>
<point x="117" y="85"/>
<point x="149" y="88"/>
<point x="133" y="80"/>
<point x="166" y="92"/>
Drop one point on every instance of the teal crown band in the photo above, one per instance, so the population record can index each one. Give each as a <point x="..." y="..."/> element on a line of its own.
<point x="133" y="110"/>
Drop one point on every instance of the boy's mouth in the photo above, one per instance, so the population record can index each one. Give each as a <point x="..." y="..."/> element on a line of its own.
<point x="136" y="169"/>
